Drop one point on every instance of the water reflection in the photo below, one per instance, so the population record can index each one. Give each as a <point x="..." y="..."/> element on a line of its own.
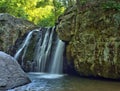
<point x="40" y="82"/>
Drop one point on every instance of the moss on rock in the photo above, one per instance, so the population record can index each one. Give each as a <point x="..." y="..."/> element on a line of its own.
<point x="11" y="28"/>
<point x="93" y="34"/>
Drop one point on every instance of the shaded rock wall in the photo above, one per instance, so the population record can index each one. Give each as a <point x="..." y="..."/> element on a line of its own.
<point x="93" y="35"/>
<point x="10" y="29"/>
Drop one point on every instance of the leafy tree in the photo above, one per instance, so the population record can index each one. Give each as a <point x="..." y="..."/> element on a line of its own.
<point x="12" y="7"/>
<point x="41" y="12"/>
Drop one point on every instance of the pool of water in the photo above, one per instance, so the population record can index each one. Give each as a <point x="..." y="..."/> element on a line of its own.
<point x="55" y="82"/>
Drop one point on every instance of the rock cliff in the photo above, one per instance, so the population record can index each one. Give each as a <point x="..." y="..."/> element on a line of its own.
<point x="10" y="29"/>
<point x="92" y="31"/>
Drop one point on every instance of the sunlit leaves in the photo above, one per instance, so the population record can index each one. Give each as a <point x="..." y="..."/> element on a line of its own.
<point x="41" y="12"/>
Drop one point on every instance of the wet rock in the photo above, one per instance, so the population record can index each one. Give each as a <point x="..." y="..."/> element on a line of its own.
<point x="11" y="74"/>
<point x="92" y="33"/>
<point x="10" y="29"/>
<point x="66" y="24"/>
<point x="3" y="82"/>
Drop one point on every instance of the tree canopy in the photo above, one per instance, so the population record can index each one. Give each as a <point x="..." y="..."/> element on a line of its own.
<point x="41" y="12"/>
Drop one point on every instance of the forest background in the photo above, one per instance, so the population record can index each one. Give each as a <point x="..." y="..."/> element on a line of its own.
<point x="41" y="12"/>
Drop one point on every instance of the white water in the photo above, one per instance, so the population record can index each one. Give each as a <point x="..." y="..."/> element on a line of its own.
<point x="48" y="55"/>
<point x="57" y="62"/>
<point x="24" y="45"/>
<point x="43" y="50"/>
<point x="46" y="75"/>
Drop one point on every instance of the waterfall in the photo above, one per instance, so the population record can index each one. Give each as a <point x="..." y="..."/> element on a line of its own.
<point x="24" y="46"/>
<point x="48" y="53"/>
<point x="43" y="49"/>
<point x="57" y="62"/>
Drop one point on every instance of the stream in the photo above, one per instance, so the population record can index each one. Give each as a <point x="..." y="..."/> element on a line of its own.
<point x="54" y="82"/>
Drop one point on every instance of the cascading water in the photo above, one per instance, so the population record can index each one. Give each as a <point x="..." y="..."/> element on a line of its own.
<point x="57" y="62"/>
<point x="43" y="50"/>
<point x="24" y="46"/>
<point x="48" y="53"/>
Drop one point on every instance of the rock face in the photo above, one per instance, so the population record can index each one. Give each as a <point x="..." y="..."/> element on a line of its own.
<point x="92" y="31"/>
<point x="10" y="29"/>
<point x="11" y="75"/>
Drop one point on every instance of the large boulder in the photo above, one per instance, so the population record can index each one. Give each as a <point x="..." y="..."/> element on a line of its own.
<point x="92" y="31"/>
<point x="11" y="75"/>
<point x="11" y="28"/>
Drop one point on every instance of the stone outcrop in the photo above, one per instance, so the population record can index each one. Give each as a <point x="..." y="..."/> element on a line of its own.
<point x="11" y="75"/>
<point x="10" y="29"/>
<point x="92" y="31"/>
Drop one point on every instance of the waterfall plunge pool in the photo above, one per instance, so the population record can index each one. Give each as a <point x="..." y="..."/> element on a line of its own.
<point x="41" y="75"/>
<point x="54" y="82"/>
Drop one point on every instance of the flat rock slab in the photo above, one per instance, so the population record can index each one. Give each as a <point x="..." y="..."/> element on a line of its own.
<point x="11" y="74"/>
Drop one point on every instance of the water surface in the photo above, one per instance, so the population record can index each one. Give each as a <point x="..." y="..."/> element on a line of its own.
<point x="54" y="82"/>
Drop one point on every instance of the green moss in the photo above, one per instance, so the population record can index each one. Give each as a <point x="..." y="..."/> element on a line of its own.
<point x="95" y="43"/>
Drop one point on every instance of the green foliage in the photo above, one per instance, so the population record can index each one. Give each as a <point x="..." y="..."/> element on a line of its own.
<point x="112" y="4"/>
<point x="58" y="8"/>
<point x="41" y="12"/>
<point x="83" y="1"/>
<point x="42" y="3"/>
<point x="48" y="21"/>
<point x="12" y="7"/>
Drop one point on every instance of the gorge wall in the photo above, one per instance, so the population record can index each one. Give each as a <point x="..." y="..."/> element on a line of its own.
<point x="92" y="31"/>
<point x="11" y="28"/>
